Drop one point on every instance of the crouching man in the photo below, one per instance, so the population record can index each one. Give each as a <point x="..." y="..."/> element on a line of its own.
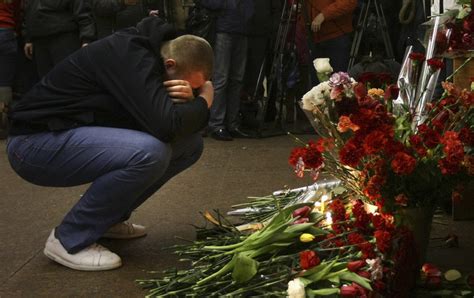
<point x="123" y="113"/>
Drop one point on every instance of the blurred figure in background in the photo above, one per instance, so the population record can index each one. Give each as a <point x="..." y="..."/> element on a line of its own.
<point x="113" y="15"/>
<point x="9" y="24"/>
<point x="263" y="27"/>
<point x="331" y="28"/>
<point x="230" y="56"/>
<point x="55" y="29"/>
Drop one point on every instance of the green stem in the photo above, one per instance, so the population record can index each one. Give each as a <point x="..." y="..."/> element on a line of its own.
<point x="459" y="68"/>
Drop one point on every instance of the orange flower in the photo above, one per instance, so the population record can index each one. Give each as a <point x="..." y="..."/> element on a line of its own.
<point x="345" y="124"/>
<point x="376" y="93"/>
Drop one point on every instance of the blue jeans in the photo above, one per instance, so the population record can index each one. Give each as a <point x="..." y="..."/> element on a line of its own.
<point x="125" y="167"/>
<point x="230" y="51"/>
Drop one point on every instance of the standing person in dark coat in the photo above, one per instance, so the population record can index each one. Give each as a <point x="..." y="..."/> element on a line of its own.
<point x="55" y="29"/>
<point x="9" y="24"/>
<point x="230" y="50"/>
<point x="113" y="15"/>
<point x="120" y="113"/>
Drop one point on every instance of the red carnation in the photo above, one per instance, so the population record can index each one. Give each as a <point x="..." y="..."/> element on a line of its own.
<point x="375" y="142"/>
<point x="338" y="210"/>
<point x="367" y="249"/>
<point x="391" y="92"/>
<point x="417" y="143"/>
<point x="466" y="136"/>
<point x="430" y="136"/>
<point x="355" y="238"/>
<point x="351" y="154"/>
<point x="435" y="63"/>
<point x="313" y="159"/>
<point x="417" y="56"/>
<point x="403" y="163"/>
<point x="383" y="240"/>
<point x="355" y="266"/>
<point x="309" y="259"/>
<point x="295" y="155"/>
<point x="360" y="90"/>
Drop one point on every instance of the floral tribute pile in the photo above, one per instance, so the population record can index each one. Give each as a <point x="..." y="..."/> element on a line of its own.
<point x="391" y="148"/>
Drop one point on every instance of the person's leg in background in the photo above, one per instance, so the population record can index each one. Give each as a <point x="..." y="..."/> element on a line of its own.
<point x="337" y="50"/>
<point x="222" y="60"/>
<point x="236" y="77"/>
<point x="8" y="54"/>
<point x="121" y="163"/>
<point x="42" y="56"/>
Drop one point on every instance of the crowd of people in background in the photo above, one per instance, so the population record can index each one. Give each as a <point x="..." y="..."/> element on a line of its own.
<point x="36" y="35"/>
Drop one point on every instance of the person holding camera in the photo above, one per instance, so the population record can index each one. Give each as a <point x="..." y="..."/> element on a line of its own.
<point x="122" y="114"/>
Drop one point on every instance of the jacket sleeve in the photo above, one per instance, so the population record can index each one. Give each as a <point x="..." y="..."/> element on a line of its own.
<point x="338" y="8"/>
<point x="84" y="19"/>
<point x="127" y="72"/>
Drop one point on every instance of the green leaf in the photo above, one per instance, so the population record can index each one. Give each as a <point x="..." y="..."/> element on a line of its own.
<point x="351" y="276"/>
<point x="317" y="276"/>
<point x="298" y="228"/>
<point x="335" y="280"/>
<point x="305" y="281"/>
<point x="324" y="292"/>
<point x="244" y="269"/>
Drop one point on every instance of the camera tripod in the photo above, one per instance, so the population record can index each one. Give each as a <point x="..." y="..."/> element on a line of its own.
<point x="367" y="12"/>
<point x="283" y="52"/>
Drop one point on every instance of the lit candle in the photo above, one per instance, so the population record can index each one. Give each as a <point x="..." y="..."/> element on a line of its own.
<point x="328" y="218"/>
<point x="324" y="198"/>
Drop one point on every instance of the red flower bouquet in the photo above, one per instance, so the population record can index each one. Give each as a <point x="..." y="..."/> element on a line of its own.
<point x="387" y="154"/>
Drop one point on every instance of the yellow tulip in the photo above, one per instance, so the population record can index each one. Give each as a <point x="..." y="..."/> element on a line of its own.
<point x="306" y="237"/>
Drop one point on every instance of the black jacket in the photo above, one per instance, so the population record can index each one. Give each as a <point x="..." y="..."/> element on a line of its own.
<point x="48" y="17"/>
<point x="232" y="16"/>
<point x="113" y="82"/>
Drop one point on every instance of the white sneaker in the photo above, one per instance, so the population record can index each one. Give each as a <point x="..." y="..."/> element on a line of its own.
<point x="125" y="230"/>
<point x="92" y="258"/>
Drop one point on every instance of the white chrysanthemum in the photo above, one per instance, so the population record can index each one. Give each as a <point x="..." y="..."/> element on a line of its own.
<point x="296" y="289"/>
<point x="316" y="96"/>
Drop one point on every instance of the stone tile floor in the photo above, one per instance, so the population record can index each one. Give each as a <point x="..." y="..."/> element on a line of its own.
<point x="227" y="173"/>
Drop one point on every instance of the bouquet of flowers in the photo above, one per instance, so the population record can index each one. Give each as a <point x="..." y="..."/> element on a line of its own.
<point x="385" y="151"/>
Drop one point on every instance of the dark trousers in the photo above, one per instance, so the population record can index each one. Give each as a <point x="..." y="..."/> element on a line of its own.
<point x="230" y="52"/>
<point x="337" y="50"/>
<point x="125" y="167"/>
<point x="50" y="50"/>
<point x="8" y="54"/>
<point x="257" y="50"/>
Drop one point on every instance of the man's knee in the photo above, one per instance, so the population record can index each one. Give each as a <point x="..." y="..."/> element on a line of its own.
<point x="152" y="152"/>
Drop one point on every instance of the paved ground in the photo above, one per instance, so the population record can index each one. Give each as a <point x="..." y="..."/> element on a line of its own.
<point x="227" y="173"/>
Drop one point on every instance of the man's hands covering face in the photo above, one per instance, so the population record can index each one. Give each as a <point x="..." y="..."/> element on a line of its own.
<point x="179" y="90"/>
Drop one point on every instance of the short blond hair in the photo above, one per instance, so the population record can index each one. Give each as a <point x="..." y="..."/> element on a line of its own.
<point x="191" y="53"/>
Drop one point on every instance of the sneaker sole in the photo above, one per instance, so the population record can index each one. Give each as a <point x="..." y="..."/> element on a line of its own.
<point x="68" y="264"/>
<point x="122" y="236"/>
